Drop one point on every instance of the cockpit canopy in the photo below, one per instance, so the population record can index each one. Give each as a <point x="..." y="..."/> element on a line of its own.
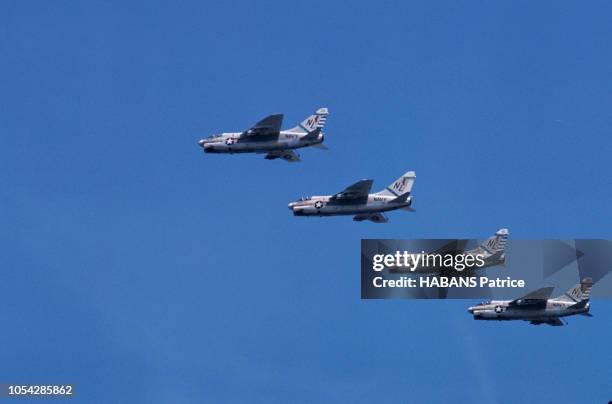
<point x="213" y="136"/>
<point x="484" y="303"/>
<point x="304" y="198"/>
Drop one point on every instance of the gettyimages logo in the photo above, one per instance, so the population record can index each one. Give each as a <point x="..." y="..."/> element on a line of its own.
<point x="411" y="262"/>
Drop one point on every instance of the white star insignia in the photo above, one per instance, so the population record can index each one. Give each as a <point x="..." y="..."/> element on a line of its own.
<point x="318" y="204"/>
<point x="498" y="309"/>
<point x="230" y="141"/>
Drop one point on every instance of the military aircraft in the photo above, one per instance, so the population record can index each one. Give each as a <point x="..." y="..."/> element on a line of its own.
<point x="357" y="200"/>
<point x="267" y="137"/>
<point x="492" y="253"/>
<point x="537" y="307"/>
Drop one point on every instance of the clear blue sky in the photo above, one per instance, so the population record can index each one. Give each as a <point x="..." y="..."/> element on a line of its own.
<point x="144" y="271"/>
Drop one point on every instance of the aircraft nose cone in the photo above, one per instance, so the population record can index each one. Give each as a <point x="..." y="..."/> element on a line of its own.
<point x="291" y="205"/>
<point x="201" y="142"/>
<point x="471" y="310"/>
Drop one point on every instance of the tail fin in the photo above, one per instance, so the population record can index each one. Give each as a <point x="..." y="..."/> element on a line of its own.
<point x="404" y="198"/>
<point x="401" y="186"/>
<point x="497" y="242"/>
<point x="312" y="123"/>
<point x="580" y="292"/>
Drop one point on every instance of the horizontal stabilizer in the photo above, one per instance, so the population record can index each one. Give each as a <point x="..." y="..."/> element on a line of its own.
<point x="401" y="198"/>
<point x="312" y="135"/>
<point x="580" y="305"/>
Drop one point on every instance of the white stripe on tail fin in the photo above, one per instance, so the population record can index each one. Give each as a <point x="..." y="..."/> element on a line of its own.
<point x="403" y="185"/>
<point x="580" y="292"/>
<point x="497" y="242"/>
<point x="313" y="122"/>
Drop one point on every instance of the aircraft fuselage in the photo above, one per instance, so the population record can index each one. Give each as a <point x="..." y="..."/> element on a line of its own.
<point x="503" y="310"/>
<point x="328" y="206"/>
<point x="241" y="143"/>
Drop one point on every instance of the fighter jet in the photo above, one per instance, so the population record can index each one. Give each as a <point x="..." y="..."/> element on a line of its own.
<point x="267" y="137"/>
<point x="357" y="200"/>
<point x="492" y="252"/>
<point x="537" y="307"/>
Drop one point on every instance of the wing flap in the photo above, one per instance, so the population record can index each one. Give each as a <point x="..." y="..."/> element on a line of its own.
<point x="270" y="125"/>
<point x="358" y="190"/>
